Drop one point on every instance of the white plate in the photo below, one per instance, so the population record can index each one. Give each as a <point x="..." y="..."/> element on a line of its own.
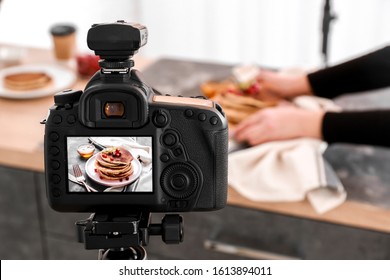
<point x="62" y="78"/>
<point x="90" y="170"/>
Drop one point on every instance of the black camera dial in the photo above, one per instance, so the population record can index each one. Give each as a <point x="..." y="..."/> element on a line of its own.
<point x="180" y="180"/>
<point x="67" y="96"/>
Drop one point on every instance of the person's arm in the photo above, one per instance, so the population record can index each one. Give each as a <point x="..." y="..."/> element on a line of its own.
<point x="365" y="127"/>
<point x="278" y="123"/>
<point x="371" y="71"/>
<point x="282" y="123"/>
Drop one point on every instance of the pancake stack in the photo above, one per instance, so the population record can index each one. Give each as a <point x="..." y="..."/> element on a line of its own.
<point x="26" y="81"/>
<point x="114" y="163"/>
<point x="238" y="104"/>
<point x="237" y="108"/>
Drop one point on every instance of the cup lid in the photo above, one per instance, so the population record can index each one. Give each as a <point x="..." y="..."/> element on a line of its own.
<point x="62" y="29"/>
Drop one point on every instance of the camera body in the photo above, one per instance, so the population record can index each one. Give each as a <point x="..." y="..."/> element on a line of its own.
<point x="186" y="138"/>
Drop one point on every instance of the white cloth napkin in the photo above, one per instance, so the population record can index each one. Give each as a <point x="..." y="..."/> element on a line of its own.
<point x="289" y="170"/>
<point x="144" y="153"/>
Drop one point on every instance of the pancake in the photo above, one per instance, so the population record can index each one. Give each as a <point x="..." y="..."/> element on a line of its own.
<point x="108" y="155"/>
<point x="27" y="81"/>
<point x="108" y="164"/>
<point x="114" y="163"/>
<point x="112" y="171"/>
<point x="121" y="177"/>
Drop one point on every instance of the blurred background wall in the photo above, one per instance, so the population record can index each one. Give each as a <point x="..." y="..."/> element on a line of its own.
<point x="275" y="33"/>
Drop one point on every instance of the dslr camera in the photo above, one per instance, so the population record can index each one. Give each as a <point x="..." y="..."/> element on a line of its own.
<point x="121" y="146"/>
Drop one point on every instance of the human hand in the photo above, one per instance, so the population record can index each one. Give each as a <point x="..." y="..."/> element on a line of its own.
<point x="279" y="123"/>
<point x="285" y="85"/>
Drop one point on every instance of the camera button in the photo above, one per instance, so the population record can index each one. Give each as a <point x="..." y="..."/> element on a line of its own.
<point x="178" y="204"/>
<point x="71" y="119"/>
<point x="189" y="113"/>
<point x="179" y="182"/>
<point x="164" y="157"/>
<point x="214" y="120"/>
<point x="202" y="117"/>
<point x="54" y="136"/>
<point x="181" y="204"/>
<point x="57" y="119"/>
<point x="56" y="179"/>
<point x="54" y="151"/>
<point x="55" y="165"/>
<point x="56" y="192"/>
<point x="177" y="152"/>
<point x="169" y="139"/>
<point x="160" y="119"/>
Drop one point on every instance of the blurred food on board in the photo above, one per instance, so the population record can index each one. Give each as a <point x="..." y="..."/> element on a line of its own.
<point x="240" y="95"/>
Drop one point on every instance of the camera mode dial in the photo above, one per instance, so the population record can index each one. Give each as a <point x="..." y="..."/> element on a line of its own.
<point x="67" y="96"/>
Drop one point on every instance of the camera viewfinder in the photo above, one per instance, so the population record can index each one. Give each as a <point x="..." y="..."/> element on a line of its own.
<point x="114" y="109"/>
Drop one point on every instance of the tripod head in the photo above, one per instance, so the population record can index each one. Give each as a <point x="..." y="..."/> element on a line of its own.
<point x="122" y="236"/>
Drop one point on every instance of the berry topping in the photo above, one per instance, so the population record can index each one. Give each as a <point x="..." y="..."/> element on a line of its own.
<point x="253" y="89"/>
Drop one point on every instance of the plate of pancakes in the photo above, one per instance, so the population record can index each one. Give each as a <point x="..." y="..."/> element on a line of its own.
<point x="113" y="167"/>
<point x="35" y="80"/>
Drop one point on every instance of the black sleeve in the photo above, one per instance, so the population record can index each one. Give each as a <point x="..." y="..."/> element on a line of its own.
<point x="367" y="72"/>
<point x="367" y="127"/>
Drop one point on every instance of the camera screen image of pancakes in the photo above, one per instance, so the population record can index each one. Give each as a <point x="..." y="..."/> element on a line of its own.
<point x="114" y="163"/>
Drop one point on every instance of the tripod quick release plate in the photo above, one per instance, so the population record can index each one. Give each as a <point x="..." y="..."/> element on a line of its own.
<point x="108" y="231"/>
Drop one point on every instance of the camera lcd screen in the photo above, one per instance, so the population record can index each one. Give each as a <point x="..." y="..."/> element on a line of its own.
<point x="110" y="164"/>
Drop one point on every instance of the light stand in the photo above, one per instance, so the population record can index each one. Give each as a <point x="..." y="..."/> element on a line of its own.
<point x="327" y="18"/>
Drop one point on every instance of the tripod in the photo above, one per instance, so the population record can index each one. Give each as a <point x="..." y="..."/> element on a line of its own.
<point x="122" y="237"/>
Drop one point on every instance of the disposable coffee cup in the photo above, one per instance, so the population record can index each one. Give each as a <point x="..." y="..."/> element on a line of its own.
<point x="64" y="39"/>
